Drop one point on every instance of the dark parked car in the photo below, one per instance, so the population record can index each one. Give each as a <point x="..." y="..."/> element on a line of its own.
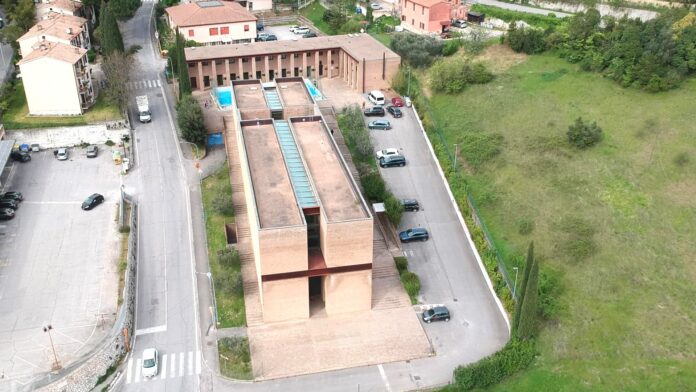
<point x="377" y="111"/>
<point x="20" y="156"/>
<point x="92" y="151"/>
<point x="379" y="124"/>
<point x="259" y="27"/>
<point x="394" y="111"/>
<point x="6" y="214"/>
<point x="92" y="201"/>
<point x="410" y="204"/>
<point x="8" y="203"/>
<point x="311" y="34"/>
<point x="435" y="314"/>
<point x="267" y="37"/>
<point x="17" y="196"/>
<point x="392" y="160"/>
<point x="415" y="234"/>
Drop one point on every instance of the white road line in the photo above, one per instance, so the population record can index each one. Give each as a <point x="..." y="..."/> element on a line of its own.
<point x="198" y="362"/>
<point x="159" y="84"/>
<point x="172" y="368"/>
<point x="129" y="374"/>
<point x="164" y="367"/>
<point x="149" y="84"/>
<point x="384" y="377"/>
<point x="138" y="366"/>
<point x="145" y="331"/>
<point x="190" y="363"/>
<point x="181" y="364"/>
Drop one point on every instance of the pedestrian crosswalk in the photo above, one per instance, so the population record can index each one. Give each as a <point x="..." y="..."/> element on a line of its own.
<point x="143" y="84"/>
<point x="186" y="363"/>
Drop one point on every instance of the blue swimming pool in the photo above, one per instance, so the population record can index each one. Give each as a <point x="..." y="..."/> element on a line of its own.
<point x="316" y="94"/>
<point x="224" y="96"/>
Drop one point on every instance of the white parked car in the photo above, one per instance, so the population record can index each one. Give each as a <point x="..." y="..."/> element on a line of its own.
<point x="302" y="30"/>
<point x="375" y="6"/>
<point x="62" y="154"/>
<point x="150" y="362"/>
<point x="387" y="151"/>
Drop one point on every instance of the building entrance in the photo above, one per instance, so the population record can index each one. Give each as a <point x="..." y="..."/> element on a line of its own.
<point x="316" y="295"/>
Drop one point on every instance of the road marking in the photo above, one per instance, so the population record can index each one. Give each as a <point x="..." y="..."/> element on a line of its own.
<point x="145" y="331"/>
<point x="129" y="375"/>
<point x="181" y="364"/>
<point x="164" y="367"/>
<point x="190" y="363"/>
<point x="198" y="362"/>
<point x="138" y="366"/>
<point x="172" y="368"/>
<point x="384" y="377"/>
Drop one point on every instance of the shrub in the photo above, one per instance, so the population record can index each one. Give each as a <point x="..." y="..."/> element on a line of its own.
<point x="412" y="285"/>
<point x="417" y="50"/>
<point x="550" y="290"/>
<point x="356" y="133"/>
<point x="229" y="282"/>
<point x="583" y="135"/>
<point x="515" y="356"/>
<point x="190" y="119"/>
<point x="222" y="202"/>
<point x="526" y="40"/>
<point x="453" y="75"/>
<point x="91" y="56"/>
<point x="451" y="47"/>
<point x="228" y="257"/>
<point x="401" y="264"/>
<point x="394" y="209"/>
<point x="374" y="187"/>
<point x="682" y="159"/>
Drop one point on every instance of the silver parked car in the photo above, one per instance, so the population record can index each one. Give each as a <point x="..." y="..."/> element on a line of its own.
<point x="62" y="154"/>
<point x="92" y="151"/>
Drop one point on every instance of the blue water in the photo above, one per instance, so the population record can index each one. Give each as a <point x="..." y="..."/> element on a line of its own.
<point x="316" y="94"/>
<point x="224" y="96"/>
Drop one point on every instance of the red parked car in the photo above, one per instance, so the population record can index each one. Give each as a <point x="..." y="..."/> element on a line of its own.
<point x="398" y="102"/>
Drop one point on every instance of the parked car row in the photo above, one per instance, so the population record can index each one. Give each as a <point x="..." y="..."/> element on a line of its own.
<point x="304" y="31"/>
<point x="9" y="203"/>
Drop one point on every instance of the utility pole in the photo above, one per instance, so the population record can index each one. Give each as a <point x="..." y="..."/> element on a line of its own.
<point x="514" y="289"/>
<point x="56" y="364"/>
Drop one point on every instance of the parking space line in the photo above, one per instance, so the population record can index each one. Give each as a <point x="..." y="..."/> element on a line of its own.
<point x="181" y="364"/>
<point x="138" y="366"/>
<point x="384" y="377"/>
<point x="198" y="362"/>
<point x="145" y="331"/>
<point x="172" y="368"/>
<point x="164" y="367"/>
<point x="129" y="372"/>
<point x="190" y="363"/>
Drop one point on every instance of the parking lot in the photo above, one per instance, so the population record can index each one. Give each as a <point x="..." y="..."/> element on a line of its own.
<point x="58" y="263"/>
<point x="283" y="32"/>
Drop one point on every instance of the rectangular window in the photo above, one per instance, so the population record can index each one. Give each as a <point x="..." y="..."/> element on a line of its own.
<point x="258" y="75"/>
<point x="422" y="10"/>
<point x="321" y="53"/>
<point x="246" y="27"/>
<point x="224" y="30"/>
<point x="206" y="81"/>
<point x="220" y="81"/>
<point x="233" y="76"/>
<point x="296" y="55"/>
<point x="190" y="33"/>
<point x="245" y="59"/>
<point x="218" y="62"/>
<point x="213" y="31"/>
<point x="271" y="58"/>
<point x="191" y="65"/>
<point x="205" y="63"/>
<point x="283" y="56"/>
<point x="246" y="75"/>
<point x="231" y="61"/>
<point x="257" y="59"/>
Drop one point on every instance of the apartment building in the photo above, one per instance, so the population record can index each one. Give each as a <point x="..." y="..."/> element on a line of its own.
<point x="433" y="16"/>
<point x="213" y="22"/>
<point x="257" y="5"/>
<point x="359" y="59"/>
<point x="62" y="28"/>
<point x="56" y="79"/>
<point x="65" y="7"/>
<point x="311" y="230"/>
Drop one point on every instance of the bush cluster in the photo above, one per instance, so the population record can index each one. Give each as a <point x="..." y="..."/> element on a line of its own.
<point x="453" y="75"/>
<point x="515" y="356"/>
<point x="538" y="20"/>
<point x="124" y="9"/>
<point x="417" y="50"/>
<point x="527" y="40"/>
<point x="583" y="135"/>
<point x="222" y="202"/>
<point x="190" y="119"/>
<point x="451" y="47"/>
<point x="410" y="280"/>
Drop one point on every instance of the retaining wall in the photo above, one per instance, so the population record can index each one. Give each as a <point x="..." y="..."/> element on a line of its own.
<point x="68" y="136"/>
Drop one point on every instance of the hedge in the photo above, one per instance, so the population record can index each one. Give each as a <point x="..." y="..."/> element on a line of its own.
<point x="515" y="356"/>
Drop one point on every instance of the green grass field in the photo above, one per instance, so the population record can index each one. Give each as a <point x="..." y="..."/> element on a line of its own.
<point x="230" y="306"/>
<point x="615" y="222"/>
<point x="315" y="13"/>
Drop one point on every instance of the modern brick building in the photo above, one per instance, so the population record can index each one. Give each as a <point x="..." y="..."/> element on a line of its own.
<point x="311" y="230"/>
<point x="359" y="59"/>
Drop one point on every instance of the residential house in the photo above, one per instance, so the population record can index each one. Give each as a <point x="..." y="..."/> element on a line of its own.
<point x="213" y="22"/>
<point x="433" y="16"/>
<point x="66" y="29"/>
<point x="56" y="79"/>
<point x="65" y="7"/>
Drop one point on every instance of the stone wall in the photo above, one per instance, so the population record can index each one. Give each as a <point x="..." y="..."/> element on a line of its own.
<point x="83" y="374"/>
<point x="68" y="136"/>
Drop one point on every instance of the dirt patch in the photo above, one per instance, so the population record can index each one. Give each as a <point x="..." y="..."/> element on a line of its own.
<point x="682" y="193"/>
<point x="499" y="58"/>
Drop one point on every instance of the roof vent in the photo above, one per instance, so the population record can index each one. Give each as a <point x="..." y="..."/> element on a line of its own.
<point x="43" y="37"/>
<point x="39" y="27"/>
<point x="68" y="30"/>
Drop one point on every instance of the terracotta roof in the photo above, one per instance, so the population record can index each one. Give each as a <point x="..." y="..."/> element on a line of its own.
<point x="55" y="50"/>
<point x="359" y="46"/>
<point x="208" y="13"/>
<point x="67" y="5"/>
<point x="57" y="25"/>
<point x="427" y="3"/>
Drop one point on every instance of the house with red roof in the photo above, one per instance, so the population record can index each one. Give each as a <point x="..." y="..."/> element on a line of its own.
<point x="213" y="22"/>
<point x="433" y="16"/>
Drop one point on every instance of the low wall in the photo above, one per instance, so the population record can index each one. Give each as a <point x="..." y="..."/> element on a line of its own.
<point x="67" y="136"/>
<point x="83" y="374"/>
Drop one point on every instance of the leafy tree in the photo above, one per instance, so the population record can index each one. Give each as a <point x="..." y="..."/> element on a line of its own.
<point x="124" y="9"/>
<point x="526" y="40"/>
<point x="368" y="15"/>
<point x="190" y="119"/>
<point x="117" y="67"/>
<point x="583" y="135"/>
<point x="418" y="50"/>
<point x="24" y="14"/>
<point x="108" y="33"/>
<point x="182" y="67"/>
<point x="527" y="326"/>
<point x="520" y="293"/>
<point x="394" y="209"/>
<point x="454" y="74"/>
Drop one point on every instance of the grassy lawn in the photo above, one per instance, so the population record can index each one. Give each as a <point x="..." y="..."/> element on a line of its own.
<point x="384" y="38"/>
<point x="615" y="223"/>
<point x="235" y="359"/>
<point x="16" y="116"/>
<point x="315" y="12"/>
<point x="226" y="276"/>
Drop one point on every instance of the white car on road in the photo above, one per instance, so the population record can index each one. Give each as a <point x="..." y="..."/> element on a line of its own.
<point x="150" y="362"/>
<point x="387" y="151"/>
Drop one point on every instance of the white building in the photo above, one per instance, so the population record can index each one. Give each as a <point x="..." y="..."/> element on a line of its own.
<point x="66" y="29"/>
<point x="213" y="22"/>
<point x="56" y="80"/>
<point x="65" y="7"/>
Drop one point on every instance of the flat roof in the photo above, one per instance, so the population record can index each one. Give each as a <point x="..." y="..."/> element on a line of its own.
<point x="294" y="93"/>
<point x="332" y="181"/>
<point x="6" y="147"/>
<point x="249" y="95"/>
<point x="275" y="199"/>
<point x="359" y="46"/>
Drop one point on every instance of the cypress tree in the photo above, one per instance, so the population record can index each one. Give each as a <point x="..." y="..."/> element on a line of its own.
<point x="184" y="82"/>
<point x="520" y="293"/>
<point x="109" y="34"/>
<point x="528" y="317"/>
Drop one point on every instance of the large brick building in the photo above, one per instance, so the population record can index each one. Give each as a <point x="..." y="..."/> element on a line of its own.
<point x="311" y="230"/>
<point x="359" y="59"/>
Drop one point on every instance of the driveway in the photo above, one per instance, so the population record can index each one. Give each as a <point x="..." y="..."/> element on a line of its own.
<point x="58" y="263"/>
<point x="282" y="32"/>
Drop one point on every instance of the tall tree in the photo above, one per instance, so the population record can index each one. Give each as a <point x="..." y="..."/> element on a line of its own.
<point x="527" y="327"/>
<point x="117" y="67"/>
<point x="108" y="33"/>
<point x="520" y="293"/>
<point x="190" y="119"/>
<point x="184" y="81"/>
<point x="24" y="14"/>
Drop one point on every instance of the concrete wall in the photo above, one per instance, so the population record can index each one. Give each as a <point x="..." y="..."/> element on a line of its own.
<point x="346" y="243"/>
<point x="283" y="250"/>
<point x="286" y="299"/>
<point x="298" y="111"/>
<point x="348" y="292"/>
<point x="253" y="114"/>
<point x="50" y="87"/>
<point x="67" y="136"/>
<point x="202" y="35"/>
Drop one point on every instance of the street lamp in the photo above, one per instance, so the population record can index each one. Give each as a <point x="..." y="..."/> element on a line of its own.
<point x="514" y="289"/>
<point x="56" y="364"/>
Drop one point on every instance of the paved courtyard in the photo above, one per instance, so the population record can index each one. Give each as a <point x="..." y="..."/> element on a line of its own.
<point x="58" y="263"/>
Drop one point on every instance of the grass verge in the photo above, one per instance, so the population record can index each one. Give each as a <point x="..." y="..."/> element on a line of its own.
<point x="124" y="232"/>
<point x="410" y="280"/>
<point x="235" y="359"/>
<point x="217" y="204"/>
<point x="315" y="13"/>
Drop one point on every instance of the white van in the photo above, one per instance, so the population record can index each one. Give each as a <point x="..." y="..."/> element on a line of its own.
<point x="376" y="97"/>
